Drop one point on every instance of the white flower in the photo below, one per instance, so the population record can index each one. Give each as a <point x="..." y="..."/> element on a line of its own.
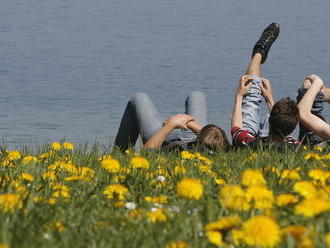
<point x="161" y="178"/>
<point x="130" y="205"/>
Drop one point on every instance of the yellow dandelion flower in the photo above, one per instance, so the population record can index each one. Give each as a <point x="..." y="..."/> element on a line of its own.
<point x="251" y="177"/>
<point x="318" y="148"/>
<point x="219" y="181"/>
<point x="286" y="199"/>
<point x="312" y="155"/>
<point x="85" y="172"/>
<point x="187" y="155"/>
<point x="252" y="157"/>
<point x="52" y="201"/>
<point x="305" y="189"/>
<point x="327" y="239"/>
<point x="206" y="160"/>
<point x="177" y="244"/>
<point x="44" y="155"/>
<point x="27" y="177"/>
<point x="234" y="198"/>
<point x="6" y="162"/>
<point x="305" y="242"/>
<point x="261" y="231"/>
<point x="290" y="175"/>
<point x="135" y="213"/>
<point x="3" y="246"/>
<point x="68" y="146"/>
<point x="77" y="178"/>
<point x="107" y="156"/>
<point x="214" y="230"/>
<point x="55" y="146"/>
<point x="179" y="169"/>
<point x="214" y="237"/>
<point x="29" y="159"/>
<point x="111" y="165"/>
<point x="190" y="188"/>
<point x="157" y="216"/>
<point x="159" y="199"/>
<point x="140" y="163"/>
<point x="59" y="226"/>
<point x="205" y="168"/>
<point x="38" y="199"/>
<point x="312" y="207"/>
<point x="64" y="166"/>
<point x="295" y="231"/>
<point x="14" y="155"/>
<point x="272" y="169"/>
<point x="50" y="175"/>
<point x="319" y="175"/>
<point x="261" y="197"/>
<point x="10" y="202"/>
<point x="223" y="224"/>
<point x="60" y="191"/>
<point x="116" y="191"/>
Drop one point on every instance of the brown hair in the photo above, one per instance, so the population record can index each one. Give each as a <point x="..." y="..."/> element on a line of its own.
<point x="283" y="118"/>
<point x="214" y="138"/>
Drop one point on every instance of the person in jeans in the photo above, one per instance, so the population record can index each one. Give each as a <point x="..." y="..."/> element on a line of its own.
<point x="311" y="96"/>
<point x="182" y="131"/>
<point x="247" y="124"/>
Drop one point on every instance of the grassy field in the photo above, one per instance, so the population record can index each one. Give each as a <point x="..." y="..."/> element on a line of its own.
<point x="61" y="196"/>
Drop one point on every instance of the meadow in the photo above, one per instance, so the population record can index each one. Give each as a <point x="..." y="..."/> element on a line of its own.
<point x="59" y="195"/>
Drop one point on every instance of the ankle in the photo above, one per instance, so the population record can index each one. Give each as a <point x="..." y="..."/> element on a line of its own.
<point x="257" y="57"/>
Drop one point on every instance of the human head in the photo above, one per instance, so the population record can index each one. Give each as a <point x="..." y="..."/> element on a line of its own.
<point x="283" y="118"/>
<point x="213" y="138"/>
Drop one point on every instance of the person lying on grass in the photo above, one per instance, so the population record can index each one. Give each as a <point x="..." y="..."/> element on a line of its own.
<point x="247" y="126"/>
<point x="311" y="96"/>
<point x="183" y="131"/>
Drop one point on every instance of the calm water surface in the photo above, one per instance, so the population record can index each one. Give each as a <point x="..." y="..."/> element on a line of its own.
<point x="68" y="67"/>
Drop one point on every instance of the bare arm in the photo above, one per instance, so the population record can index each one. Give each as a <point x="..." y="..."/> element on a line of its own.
<point x="311" y="121"/>
<point x="176" y="121"/>
<point x="243" y="87"/>
<point x="194" y="126"/>
<point x="266" y="90"/>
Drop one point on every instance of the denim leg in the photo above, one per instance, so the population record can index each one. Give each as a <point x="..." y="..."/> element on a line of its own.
<point x="196" y="106"/>
<point x="306" y="135"/>
<point x="251" y="107"/>
<point x="140" y="117"/>
<point x="264" y="127"/>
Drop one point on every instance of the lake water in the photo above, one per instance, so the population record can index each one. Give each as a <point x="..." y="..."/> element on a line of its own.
<point x="68" y="67"/>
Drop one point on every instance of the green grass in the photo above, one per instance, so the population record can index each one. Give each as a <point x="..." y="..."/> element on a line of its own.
<point x="89" y="219"/>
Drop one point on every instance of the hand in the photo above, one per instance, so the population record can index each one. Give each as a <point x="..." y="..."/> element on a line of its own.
<point x="178" y="121"/>
<point x="314" y="79"/>
<point x="244" y="85"/>
<point x="266" y="89"/>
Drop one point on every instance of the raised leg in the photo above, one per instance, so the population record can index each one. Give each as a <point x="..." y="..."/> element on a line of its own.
<point x="254" y="67"/>
<point x="140" y="117"/>
<point x="196" y="106"/>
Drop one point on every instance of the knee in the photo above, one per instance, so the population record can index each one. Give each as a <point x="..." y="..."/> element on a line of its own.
<point x="306" y="83"/>
<point x="196" y="94"/>
<point x="139" y="97"/>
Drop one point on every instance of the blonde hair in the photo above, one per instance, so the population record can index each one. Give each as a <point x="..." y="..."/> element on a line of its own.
<point x="214" y="138"/>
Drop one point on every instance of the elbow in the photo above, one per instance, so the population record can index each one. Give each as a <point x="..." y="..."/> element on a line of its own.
<point x="303" y="114"/>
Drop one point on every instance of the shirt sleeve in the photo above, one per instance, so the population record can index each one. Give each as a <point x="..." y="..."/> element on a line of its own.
<point x="241" y="137"/>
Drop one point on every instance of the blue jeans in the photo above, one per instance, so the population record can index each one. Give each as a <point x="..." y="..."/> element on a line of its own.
<point x="306" y="135"/>
<point x="142" y="118"/>
<point x="252" y="121"/>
